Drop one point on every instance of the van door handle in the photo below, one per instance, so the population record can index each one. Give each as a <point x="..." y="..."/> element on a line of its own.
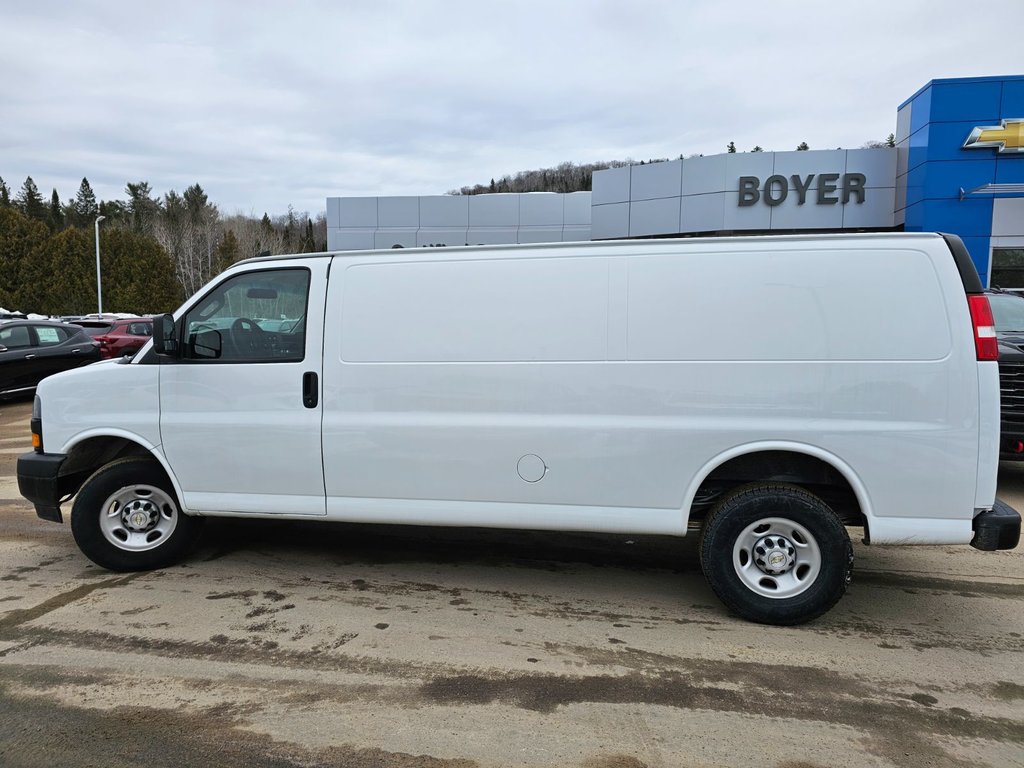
<point x="310" y="390"/>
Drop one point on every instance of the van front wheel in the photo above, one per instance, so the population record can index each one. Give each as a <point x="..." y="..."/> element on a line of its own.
<point x="776" y="554"/>
<point x="126" y="517"/>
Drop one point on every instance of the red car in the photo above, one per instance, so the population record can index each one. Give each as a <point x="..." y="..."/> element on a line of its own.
<point x="120" y="336"/>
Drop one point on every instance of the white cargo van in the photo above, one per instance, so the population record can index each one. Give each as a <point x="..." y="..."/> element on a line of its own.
<point x="770" y="390"/>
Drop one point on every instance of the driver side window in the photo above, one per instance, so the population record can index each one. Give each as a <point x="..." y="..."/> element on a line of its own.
<point x="255" y="317"/>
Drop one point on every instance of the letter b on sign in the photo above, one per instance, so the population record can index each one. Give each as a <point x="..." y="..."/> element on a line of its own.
<point x="749" y="193"/>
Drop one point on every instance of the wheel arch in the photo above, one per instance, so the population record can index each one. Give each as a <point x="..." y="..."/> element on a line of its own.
<point x="780" y="461"/>
<point x="89" y="451"/>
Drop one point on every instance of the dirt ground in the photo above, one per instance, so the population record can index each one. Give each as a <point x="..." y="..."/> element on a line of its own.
<point x="314" y="644"/>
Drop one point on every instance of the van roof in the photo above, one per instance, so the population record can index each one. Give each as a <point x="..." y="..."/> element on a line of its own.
<point x="598" y="245"/>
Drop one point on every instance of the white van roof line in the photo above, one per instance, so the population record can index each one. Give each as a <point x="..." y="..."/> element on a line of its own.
<point x="659" y="242"/>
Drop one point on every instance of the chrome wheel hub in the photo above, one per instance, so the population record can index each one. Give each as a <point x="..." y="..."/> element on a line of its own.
<point x="774" y="554"/>
<point x="137" y="518"/>
<point x="776" y="557"/>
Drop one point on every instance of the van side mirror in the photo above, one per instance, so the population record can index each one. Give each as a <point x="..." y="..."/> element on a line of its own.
<point x="164" y="340"/>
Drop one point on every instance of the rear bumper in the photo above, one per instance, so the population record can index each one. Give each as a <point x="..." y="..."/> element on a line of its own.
<point x="997" y="528"/>
<point x="39" y="481"/>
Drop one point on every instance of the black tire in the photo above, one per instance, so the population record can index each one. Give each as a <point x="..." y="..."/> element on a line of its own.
<point x="734" y="554"/>
<point x="99" y="517"/>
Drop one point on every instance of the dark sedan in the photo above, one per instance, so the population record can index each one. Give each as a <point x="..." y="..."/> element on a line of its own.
<point x="31" y="350"/>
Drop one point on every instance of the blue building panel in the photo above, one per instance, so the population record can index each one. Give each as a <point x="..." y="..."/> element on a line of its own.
<point x="1010" y="170"/>
<point x="1013" y="98"/>
<point x="933" y="181"/>
<point x="913" y="218"/>
<point x="918" y="148"/>
<point x="955" y="102"/>
<point x="921" y="111"/>
<point x="946" y="141"/>
<point x="970" y="217"/>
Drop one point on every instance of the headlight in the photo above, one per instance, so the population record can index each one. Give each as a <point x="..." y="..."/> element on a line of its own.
<point x="37" y="424"/>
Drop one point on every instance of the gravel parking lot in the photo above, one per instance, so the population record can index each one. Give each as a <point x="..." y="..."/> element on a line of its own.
<point x="306" y="644"/>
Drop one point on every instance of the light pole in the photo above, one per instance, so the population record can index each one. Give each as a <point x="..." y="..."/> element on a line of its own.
<point x="99" y="288"/>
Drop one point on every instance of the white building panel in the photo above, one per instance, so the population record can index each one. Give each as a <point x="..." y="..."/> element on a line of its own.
<point x="654" y="217"/>
<point x="389" y="238"/>
<point x="357" y="212"/>
<point x="542" y="234"/>
<point x="492" y="235"/>
<point x="789" y="214"/>
<point x="656" y="180"/>
<point x="705" y="213"/>
<point x="444" y="211"/>
<point x="349" y="239"/>
<point x="610" y="221"/>
<point x="494" y="211"/>
<point x="758" y="217"/>
<point x="809" y="163"/>
<point x="447" y="236"/>
<point x="877" y="165"/>
<point x="398" y="211"/>
<point x="576" y="234"/>
<point x="542" y="209"/>
<point x="875" y="211"/>
<point x="611" y="186"/>
<point x="760" y="164"/>
<point x="333" y="215"/>
<point x="703" y="175"/>
<point x="577" y="208"/>
<point x="1008" y="217"/>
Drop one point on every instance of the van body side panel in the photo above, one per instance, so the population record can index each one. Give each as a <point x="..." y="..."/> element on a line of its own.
<point x="105" y="398"/>
<point x="442" y="376"/>
<point x="988" y="434"/>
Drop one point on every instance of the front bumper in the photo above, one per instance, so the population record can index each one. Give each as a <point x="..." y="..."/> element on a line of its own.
<point x="40" y="482"/>
<point x="997" y="528"/>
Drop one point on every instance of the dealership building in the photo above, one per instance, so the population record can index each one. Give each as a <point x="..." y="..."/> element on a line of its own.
<point x="958" y="167"/>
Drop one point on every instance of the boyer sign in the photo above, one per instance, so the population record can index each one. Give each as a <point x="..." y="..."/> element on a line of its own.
<point x="821" y="189"/>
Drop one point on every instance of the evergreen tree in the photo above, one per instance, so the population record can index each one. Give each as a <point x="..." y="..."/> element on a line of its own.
<point x="731" y="147"/>
<point x="5" y="194"/>
<point x="30" y="202"/>
<point x="143" y="209"/>
<point x="802" y="147"/>
<point x="757" y="148"/>
<point x="61" y="278"/>
<point x="309" y="239"/>
<point x="138" y="275"/>
<point x="85" y="210"/>
<point x="22" y="240"/>
<point x="56" y="213"/>
<point x="228" y="251"/>
<point x="890" y="140"/>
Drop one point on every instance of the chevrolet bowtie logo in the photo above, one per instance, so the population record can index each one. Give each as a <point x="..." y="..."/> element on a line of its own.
<point x="1006" y="137"/>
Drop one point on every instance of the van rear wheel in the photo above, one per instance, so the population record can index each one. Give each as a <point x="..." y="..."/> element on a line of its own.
<point x="776" y="554"/>
<point x="126" y="517"/>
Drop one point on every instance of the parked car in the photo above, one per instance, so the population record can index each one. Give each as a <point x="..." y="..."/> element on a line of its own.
<point x="31" y="350"/>
<point x="1008" y="312"/>
<point x="119" y="337"/>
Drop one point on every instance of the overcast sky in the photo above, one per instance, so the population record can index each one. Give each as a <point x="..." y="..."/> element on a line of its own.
<point x="270" y="104"/>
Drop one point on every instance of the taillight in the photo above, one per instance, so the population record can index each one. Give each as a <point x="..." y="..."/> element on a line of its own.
<point x="985" y="342"/>
<point x="102" y="339"/>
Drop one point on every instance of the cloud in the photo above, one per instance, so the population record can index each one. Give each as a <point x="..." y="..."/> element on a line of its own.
<point x="267" y="105"/>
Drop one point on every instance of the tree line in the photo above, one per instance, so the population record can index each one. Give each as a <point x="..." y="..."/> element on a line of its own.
<point x="155" y="250"/>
